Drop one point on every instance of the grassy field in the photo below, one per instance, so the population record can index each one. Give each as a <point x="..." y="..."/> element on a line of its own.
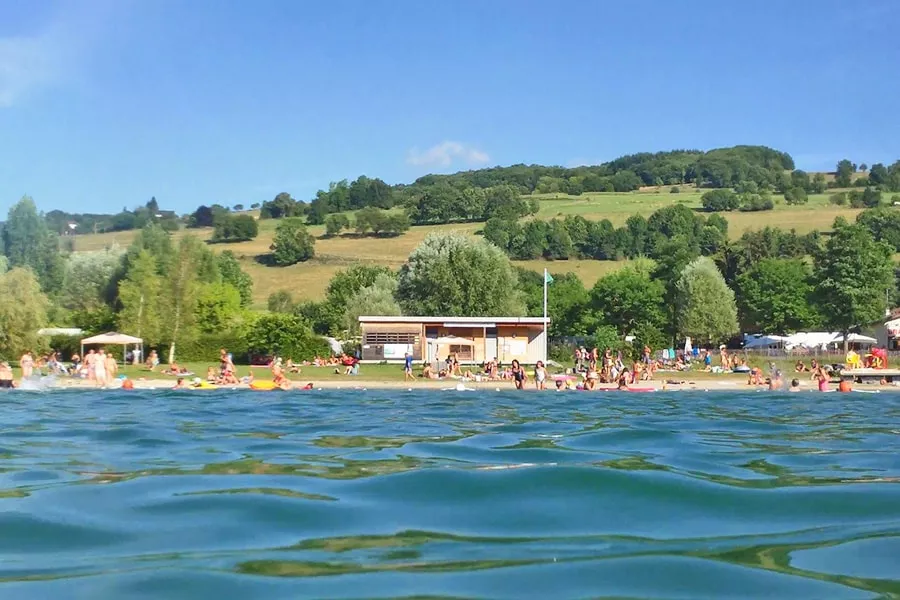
<point x="309" y="280"/>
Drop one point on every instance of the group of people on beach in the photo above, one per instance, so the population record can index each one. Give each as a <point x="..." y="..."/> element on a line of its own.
<point x="595" y="368"/>
<point x="98" y="367"/>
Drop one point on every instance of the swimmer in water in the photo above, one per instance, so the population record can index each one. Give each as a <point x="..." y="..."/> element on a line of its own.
<point x="795" y="385"/>
<point x="622" y="381"/>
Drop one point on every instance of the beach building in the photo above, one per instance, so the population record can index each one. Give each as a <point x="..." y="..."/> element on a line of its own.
<point x="472" y="339"/>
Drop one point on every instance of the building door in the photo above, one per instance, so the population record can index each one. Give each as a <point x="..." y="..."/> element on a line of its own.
<point x="490" y="344"/>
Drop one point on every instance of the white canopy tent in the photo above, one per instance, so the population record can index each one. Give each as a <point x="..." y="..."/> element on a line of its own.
<point x="764" y="341"/>
<point x="893" y="327"/>
<point x="113" y="339"/>
<point x="61" y="331"/>
<point x="856" y="338"/>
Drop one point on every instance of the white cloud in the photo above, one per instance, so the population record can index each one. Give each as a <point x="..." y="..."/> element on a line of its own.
<point x="52" y="54"/>
<point x="584" y="162"/>
<point x="27" y="63"/>
<point x="446" y="154"/>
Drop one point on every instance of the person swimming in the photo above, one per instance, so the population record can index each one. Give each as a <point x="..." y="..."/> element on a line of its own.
<point x="795" y="385"/>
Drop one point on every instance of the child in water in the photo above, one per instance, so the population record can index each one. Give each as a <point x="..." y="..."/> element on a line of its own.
<point x="540" y="375"/>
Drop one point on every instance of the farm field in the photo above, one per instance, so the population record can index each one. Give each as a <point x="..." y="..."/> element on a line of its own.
<point x="308" y="281"/>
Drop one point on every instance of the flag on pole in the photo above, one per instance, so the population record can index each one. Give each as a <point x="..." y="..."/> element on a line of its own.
<point x="548" y="278"/>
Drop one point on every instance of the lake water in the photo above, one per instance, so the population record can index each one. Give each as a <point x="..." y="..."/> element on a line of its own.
<point x="387" y="494"/>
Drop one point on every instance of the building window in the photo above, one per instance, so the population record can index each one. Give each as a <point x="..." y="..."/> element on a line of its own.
<point x="389" y="338"/>
<point x="462" y="352"/>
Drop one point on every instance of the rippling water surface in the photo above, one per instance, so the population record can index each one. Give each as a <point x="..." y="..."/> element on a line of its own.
<point x="386" y="494"/>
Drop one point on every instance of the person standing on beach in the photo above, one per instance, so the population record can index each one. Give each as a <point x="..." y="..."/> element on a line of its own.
<point x="407" y="368"/>
<point x="822" y="377"/>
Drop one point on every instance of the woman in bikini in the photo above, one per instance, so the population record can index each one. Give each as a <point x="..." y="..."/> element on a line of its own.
<point x="518" y="375"/>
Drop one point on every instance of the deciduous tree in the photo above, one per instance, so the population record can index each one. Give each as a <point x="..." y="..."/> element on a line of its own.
<point x="453" y="275"/>
<point x="854" y="274"/>
<point x="140" y="296"/>
<point x="776" y="297"/>
<point x="232" y="274"/>
<point x="375" y="299"/>
<point x="23" y="311"/>
<point x="292" y="243"/>
<point x="27" y="242"/>
<point x="705" y="304"/>
<point x="628" y="299"/>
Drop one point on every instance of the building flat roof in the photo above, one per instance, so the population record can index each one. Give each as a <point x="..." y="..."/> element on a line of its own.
<point x="473" y="321"/>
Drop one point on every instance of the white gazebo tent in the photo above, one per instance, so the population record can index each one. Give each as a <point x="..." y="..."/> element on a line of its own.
<point x="764" y="341"/>
<point x="113" y="339"/>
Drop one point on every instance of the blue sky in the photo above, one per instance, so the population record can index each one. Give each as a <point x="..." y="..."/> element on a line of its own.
<point x="105" y="103"/>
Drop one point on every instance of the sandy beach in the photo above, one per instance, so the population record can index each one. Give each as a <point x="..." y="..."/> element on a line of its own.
<point x="359" y="383"/>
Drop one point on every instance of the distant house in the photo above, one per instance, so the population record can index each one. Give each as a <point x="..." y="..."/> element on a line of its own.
<point x="166" y="214"/>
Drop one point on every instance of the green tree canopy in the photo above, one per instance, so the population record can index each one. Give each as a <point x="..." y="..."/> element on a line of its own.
<point x="844" y="173"/>
<point x="705" y="304"/>
<point x="567" y="302"/>
<point x="88" y="278"/>
<point x="218" y="307"/>
<point x="375" y="299"/>
<point x="776" y="297"/>
<point x="292" y="243"/>
<point x="346" y="283"/>
<point x="27" y="242"/>
<point x="23" y="310"/>
<point x="628" y="299"/>
<point x="280" y="302"/>
<point x="192" y="265"/>
<point x="235" y="228"/>
<point x="232" y="274"/>
<point x="853" y="275"/>
<point x="288" y="336"/>
<point x="157" y="242"/>
<point x="453" y="275"/>
<point x="140" y="297"/>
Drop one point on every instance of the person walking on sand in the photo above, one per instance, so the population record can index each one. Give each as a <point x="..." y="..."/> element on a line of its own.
<point x="27" y="364"/>
<point x="100" y="368"/>
<point x="112" y="368"/>
<point x="407" y="367"/>
<point x="540" y="375"/>
<point x="518" y="375"/>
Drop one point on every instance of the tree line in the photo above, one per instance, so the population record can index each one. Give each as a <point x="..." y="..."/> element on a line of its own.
<point x="767" y="282"/>
<point x="752" y="173"/>
<point x="176" y="294"/>
<point x="187" y="301"/>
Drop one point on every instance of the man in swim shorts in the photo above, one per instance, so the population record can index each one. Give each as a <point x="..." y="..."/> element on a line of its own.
<point x="407" y="367"/>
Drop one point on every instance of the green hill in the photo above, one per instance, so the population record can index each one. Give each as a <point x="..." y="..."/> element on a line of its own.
<point x="308" y="280"/>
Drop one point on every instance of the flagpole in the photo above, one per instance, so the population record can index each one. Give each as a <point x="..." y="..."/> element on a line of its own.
<point x="545" y="316"/>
